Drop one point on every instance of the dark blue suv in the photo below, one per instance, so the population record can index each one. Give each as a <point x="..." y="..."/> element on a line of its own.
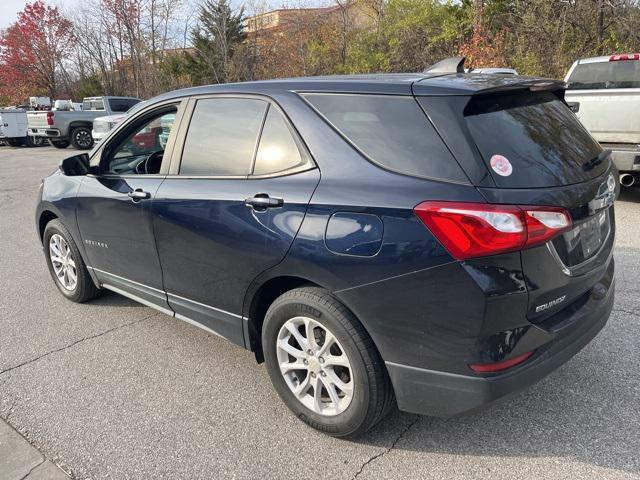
<point x="434" y="240"/>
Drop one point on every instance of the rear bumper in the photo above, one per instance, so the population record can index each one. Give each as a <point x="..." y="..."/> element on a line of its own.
<point x="442" y="394"/>
<point x="45" y="132"/>
<point x="626" y="158"/>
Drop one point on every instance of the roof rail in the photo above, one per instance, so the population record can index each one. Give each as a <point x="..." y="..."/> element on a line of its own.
<point x="448" y="65"/>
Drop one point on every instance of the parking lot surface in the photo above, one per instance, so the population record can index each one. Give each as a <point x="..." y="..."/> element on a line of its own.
<point x="113" y="389"/>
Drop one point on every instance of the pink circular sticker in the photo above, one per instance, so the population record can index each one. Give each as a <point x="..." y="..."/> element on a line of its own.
<point x="501" y="165"/>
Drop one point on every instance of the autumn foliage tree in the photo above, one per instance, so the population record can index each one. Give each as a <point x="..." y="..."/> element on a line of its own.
<point x="32" y="53"/>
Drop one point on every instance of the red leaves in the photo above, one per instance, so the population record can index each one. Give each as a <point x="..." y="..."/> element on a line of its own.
<point x="32" y="51"/>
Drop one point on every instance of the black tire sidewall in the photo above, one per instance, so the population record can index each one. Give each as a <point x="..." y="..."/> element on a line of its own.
<point x="73" y="138"/>
<point x="355" y="415"/>
<point x="53" y="227"/>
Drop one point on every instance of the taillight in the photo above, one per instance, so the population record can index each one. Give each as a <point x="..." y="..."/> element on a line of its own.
<point x="49" y="118"/>
<point x="470" y="230"/>
<point x="500" y="366"/>
<point x="624" y="56"/>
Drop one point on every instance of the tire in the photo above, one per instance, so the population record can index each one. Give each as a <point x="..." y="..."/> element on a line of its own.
<point x="59" y="143"/>
<point x="14" y="142"/>
<point x="34" y="141"/>
<point x="371" y="391"/>
<point x="81" y="138"/>
<point x="84" y="289"/>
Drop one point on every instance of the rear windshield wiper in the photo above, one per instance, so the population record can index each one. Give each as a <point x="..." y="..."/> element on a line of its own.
<point x="594" y="162"/>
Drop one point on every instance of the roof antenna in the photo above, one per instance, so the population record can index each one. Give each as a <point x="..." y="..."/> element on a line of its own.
<point x="448" y="65"/>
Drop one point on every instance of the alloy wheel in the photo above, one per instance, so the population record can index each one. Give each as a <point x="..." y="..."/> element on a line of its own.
<point x="315" y="366"/>
<point x="64" y="266"/>
<point x="83" y="138"/>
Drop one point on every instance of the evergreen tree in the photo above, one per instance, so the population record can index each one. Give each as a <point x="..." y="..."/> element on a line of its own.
<point x="216" y="37"/>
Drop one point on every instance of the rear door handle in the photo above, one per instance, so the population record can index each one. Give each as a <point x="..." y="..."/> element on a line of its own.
<point x="262" y="201"/>
<point x="139" y="194"/>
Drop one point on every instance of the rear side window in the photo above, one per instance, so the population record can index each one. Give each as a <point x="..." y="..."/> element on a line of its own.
<point x="222" y="137"/>
<point x="122" y="104"/>
<point x="541" y="138"/>
<point x="612" y="74"/>
<point x="279" y="150"/>
<point x="392" y="131"/>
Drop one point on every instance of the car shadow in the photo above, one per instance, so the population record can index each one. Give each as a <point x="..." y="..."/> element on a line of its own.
<point x="630" y="194"/>
<point x="586" y="412"/>
<point x="108" y="298"/>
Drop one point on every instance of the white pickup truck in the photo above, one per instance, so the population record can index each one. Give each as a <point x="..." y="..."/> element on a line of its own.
<point x="63" y="127"/>
<point x="604" y="92"/>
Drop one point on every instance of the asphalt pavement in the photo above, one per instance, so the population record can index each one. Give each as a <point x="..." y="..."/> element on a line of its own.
<point x="113" y="389"/>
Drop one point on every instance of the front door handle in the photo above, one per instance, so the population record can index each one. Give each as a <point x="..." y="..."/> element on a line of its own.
<point x="262" y="201"/>
<point x="139" y="194"/>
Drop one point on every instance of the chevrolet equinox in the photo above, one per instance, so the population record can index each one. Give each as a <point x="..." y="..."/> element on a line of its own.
<point x="433" y="241"/>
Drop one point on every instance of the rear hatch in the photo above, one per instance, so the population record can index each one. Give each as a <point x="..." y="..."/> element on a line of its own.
<point x="605" y="94"/>
<point x="531" y="150"/>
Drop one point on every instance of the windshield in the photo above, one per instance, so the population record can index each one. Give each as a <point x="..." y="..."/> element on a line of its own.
<point x="616" y="74"/>
<point x="543" y="141"/>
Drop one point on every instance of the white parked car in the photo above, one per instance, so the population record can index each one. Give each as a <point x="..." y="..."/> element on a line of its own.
<point x="604" y="92"/>
<point x="103" y="125"/>
<point x="495" y="70"/>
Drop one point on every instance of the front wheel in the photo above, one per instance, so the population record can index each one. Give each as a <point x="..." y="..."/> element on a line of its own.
<point x="66" y="265"/>
<point x="59" y="143"/>
<point x="323" y="364"/>
<point x="81" y="138"/>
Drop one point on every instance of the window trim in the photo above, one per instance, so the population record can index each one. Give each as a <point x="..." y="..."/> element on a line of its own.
<point x="176" y="161"/>
<point x="303" y="96"/>
<point x="119" y="133"/>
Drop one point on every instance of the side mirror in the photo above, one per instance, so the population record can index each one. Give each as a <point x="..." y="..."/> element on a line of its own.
<point x="76" y="165"/>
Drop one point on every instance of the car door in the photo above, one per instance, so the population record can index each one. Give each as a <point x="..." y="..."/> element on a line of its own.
<point x="230" y="207"/>
<point x="114" y="205"/>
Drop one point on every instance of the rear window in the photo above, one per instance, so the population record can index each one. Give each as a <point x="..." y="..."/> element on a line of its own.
<point x="93" y="104"/>
<point x="391" y="131"/>
<point x="541" y="138"/>
<point x="616" y="74"/>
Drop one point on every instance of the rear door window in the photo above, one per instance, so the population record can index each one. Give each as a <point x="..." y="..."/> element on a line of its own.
<point x="612" y="74"/>
<point x="222" y="137"/>
<point x="541" y="138"/>
<point x="391" y="131"/>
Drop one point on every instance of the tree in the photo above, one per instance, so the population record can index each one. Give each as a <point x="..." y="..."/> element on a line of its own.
<point x="33" y="51"/>
<point x="215" y="38"/>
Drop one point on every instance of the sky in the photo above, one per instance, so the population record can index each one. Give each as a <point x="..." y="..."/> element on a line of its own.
<point x="9" y="8"/>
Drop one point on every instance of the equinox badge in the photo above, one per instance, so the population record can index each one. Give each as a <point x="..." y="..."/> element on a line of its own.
<point x="552" y="303"/>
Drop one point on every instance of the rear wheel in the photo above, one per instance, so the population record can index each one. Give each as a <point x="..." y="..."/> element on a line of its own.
<point x="66" y="265"/>
<point x="81" y="138"/>
<point x="34" y="141"/>
<point x="59" y="143"/>
<point x="323" y="364"/>
<point x="14" y="142"/>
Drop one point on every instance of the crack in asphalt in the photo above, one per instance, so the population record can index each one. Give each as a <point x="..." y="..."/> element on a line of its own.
<point x="31" y="471"/>
<point x="621" y="310"/>
<point x="6" y="370"/>
<point x="393" y="445"/>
